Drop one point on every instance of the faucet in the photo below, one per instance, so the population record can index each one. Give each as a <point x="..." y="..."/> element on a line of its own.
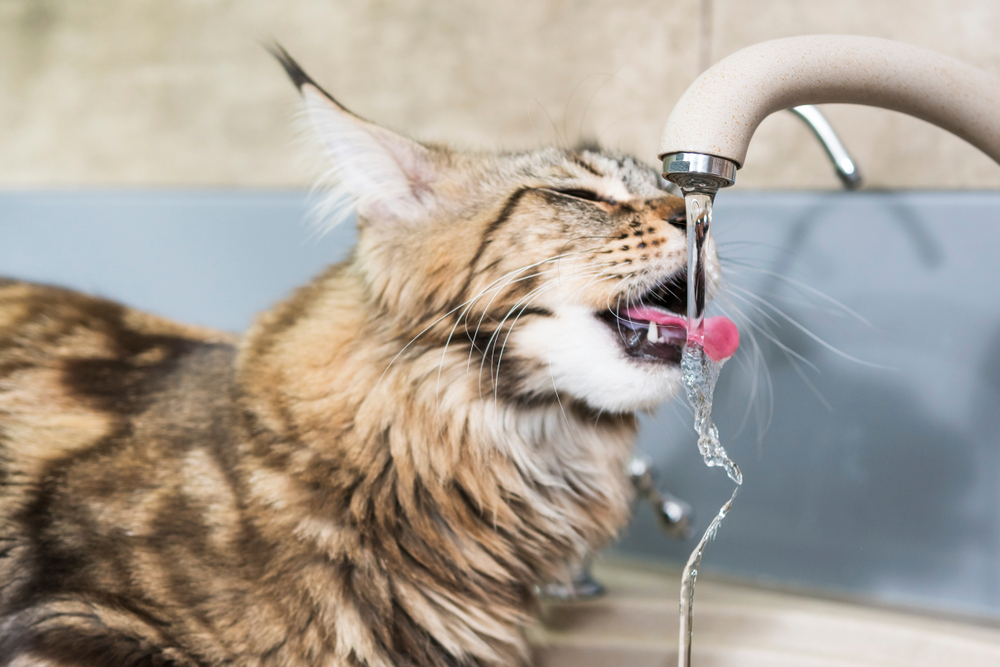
<point x="706" y="136"/>
<point x="843" y="164"/>
<point x="675" y="516"/>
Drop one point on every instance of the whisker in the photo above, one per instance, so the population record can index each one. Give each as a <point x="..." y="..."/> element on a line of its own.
<point x="811" y="290"/>
<point x="753" y="368"/>
<point x="472" y="337"/>
<point x="815" y="390"/>
<point x="770" y="335"/>
<point x="458" y="307"/>
<point x="506" y="338"/>
<point x="510" y="278"/>
<point x="526" y="300"/>
<point x="555" y="390"/>
<point x="795" y="323"/>
<point x="490" y="302"/>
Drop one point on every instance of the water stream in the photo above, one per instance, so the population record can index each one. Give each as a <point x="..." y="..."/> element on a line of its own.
<point x="700" y="374"/>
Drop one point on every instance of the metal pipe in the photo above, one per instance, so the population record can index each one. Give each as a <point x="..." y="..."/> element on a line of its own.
<point x="675" y="516"/>
<point x="846" y="170"/>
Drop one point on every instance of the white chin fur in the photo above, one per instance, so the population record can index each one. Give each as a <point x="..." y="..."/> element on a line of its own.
<point x="587" y="362"/>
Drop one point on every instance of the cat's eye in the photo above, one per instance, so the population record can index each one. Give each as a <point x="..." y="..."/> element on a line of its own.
<point x="679" y="220"/>
<point x="588" y="195"/>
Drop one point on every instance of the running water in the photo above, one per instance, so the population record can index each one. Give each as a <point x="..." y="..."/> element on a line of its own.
<point x="699" y="222"/>
<point x="700" y="370"/>
<point x="690" y="576"/>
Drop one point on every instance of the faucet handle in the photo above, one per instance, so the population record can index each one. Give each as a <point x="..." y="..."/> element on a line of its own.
<point x="675" y="515"/>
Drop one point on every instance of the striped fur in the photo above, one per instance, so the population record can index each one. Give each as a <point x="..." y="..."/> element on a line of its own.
<point x="381" y="470"/>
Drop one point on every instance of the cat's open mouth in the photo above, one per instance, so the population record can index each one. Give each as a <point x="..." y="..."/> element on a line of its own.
<point x="653" y="326"/>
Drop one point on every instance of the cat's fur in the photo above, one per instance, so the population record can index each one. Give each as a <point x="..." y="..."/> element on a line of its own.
<point x="382" y="469"/>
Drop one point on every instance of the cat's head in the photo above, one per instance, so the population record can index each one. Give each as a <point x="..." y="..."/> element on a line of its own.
<point x="539" y="271"/>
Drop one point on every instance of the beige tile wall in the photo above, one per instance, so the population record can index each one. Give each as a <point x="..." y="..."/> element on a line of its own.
<point x="180" y="93"/>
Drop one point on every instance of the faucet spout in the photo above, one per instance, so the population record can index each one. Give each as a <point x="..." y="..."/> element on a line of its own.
<point x="718" y="114"/>
<point x="697" y="172"/>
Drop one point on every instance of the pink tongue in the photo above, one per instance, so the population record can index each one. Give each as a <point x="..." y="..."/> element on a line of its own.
<point x="722" y="338"/>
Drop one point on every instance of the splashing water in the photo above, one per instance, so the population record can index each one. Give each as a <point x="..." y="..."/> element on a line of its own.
<point x="700" y="372"/>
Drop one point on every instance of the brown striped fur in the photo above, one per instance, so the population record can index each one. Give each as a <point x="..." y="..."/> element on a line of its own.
<point x="381" y="470"/>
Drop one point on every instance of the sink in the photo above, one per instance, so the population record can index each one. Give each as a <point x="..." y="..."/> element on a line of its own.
<point x="743" y="625"/>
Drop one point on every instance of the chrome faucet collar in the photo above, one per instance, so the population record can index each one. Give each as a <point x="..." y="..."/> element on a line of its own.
<point x="698" y="172"/>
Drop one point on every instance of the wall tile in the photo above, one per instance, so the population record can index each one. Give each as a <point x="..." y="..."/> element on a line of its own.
<point x="146" y="93"/>
<point x="892" y="150"/>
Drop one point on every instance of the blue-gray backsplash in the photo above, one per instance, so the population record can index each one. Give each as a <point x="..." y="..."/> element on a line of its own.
<point x="863" y="407"/>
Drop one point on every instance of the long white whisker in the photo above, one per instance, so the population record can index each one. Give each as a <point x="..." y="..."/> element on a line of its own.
<point x="528" y="298"/>
<point x="737" y="292"/>
<point x="753" y="369"/>
<point x="510" y="330"/>
<point x="596" y="278"/>
<point x="555" y="390"/>
<point x="815" y="390"/>
<point x="458" y="307"/>
<point x="770" y="335"/>
<point x="811" y="290"/>
<point x="491" y="342"/>
<point x="489" y="304"/>
<point x="510" y="276"/>
<point x="816" y="338"/>
<point x="494" y="337"/>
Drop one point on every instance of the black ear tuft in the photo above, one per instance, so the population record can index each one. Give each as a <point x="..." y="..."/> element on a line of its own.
<point x="296" y="73"/>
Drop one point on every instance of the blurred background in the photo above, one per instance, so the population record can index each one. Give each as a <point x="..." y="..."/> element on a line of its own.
<point x="148" y="154"/>
<point x="146" y="93"/>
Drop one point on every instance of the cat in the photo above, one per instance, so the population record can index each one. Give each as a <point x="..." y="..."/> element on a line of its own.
<point x="383" y="469"/>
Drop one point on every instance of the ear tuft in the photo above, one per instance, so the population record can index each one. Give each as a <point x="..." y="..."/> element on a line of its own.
<point x="296" y="73"/>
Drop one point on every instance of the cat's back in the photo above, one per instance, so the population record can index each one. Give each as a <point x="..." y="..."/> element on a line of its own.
<point x="73" y="368"/>
<point x="115" y="427"/>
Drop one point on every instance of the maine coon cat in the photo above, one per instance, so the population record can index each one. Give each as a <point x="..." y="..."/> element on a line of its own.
<point x="385" y="466"/>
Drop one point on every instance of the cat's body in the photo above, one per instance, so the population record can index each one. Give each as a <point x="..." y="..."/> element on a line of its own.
<point x="382" y="470"/>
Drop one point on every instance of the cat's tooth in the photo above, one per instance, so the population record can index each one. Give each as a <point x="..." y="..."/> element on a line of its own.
<point x="652" y="335"/>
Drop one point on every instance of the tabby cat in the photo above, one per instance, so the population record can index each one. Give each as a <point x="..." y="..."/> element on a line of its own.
<point x="386" y="465"/>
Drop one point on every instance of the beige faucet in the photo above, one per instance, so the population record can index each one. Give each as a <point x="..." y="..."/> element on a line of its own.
<point x="706" y="136"/>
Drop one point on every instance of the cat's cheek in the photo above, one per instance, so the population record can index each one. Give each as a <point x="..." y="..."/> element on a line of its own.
<point x="585" y="361"/>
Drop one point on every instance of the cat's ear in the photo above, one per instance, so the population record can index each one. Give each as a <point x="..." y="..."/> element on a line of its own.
<point x="387" y="176"/>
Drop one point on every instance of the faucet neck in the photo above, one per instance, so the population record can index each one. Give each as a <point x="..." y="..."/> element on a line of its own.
<point x="720" y="111"/>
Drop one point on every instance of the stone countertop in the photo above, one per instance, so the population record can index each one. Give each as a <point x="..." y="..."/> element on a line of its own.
<point x="636" y="624"/>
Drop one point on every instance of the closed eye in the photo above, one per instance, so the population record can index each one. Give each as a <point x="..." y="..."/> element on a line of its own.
<point x="588" y="195"/>
<point x="679" y="221"/>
